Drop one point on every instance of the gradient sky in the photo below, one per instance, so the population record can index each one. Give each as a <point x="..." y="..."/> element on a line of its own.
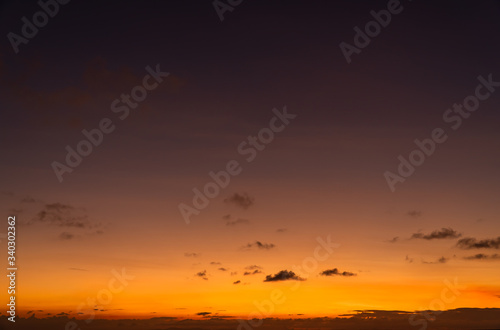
<point x="323" y="175"/>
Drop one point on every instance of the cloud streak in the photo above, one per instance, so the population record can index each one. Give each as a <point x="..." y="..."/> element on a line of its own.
<point x="252" y="273"/>
<point x="441" y="260"/>
<point x="243" y="201"/>
<point x="481" y="256"/>
<point x="62" y="215"/>
<point x="336" y="272"/>
<point x="65" y="236"/>
<point x="414" y="213"/>
<point x="443" y="233"/>
<point x="259" y="245"/>
<point x="469" y="243"/>
<point x="252" y="267"/>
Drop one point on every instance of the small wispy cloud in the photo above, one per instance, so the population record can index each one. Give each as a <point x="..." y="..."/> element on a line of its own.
<point x="62" y="215"/>
<point x="244" y="201"/>
<point x="252" y="267"/>
<point x="66" y="236"/>
<point x="202" y="274"/>
<point x="481" y="256"/>
<point x="259" y="245"/>
<point x="441" y="260"/>
<point x="192" y="254"/>
<point x="414" y="213"/>
<point x="443" y="233"/>
<point x="65" y="216"/>
<point x="203" y="313"/>
<point x="252" y="273"/>
<point x="336" y="272"/>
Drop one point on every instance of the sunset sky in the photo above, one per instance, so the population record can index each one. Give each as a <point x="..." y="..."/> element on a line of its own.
<point x="320" y="178"/>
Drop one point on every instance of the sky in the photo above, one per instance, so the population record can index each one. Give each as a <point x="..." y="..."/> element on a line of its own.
<point x="251" y="159"/>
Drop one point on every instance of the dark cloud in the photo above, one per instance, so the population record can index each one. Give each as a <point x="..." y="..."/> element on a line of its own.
<point x="203" y="313"/>
<point x="223" y="269"/>
<point x="192" y="254"/>
<point x="481" y="256"/>
<point x="335" y="272"/>
<point x="252" y="267"/>
<point x="441" y="260"/>
<point x="443" y="233"/>
<point x="244" y="201"/>
<point x="226" y="217"/>
<point x="63" y="215"/>
<point x="215" y="263"/>
<point x="237" y="222"/>
<point x="62" y="314"/>
<point x="414" y="213"/>
<point x="472" y="243"/>
<point x="66" y="236"/>
<point x="394" y="240"/>
<point x="237" y="282"/>
<point x="253" y="273"/>
<point x="281" y="230"/>
<point x="284" y="275"/>
<point x="260" y="245"/>
<point x="202" y="274"/>
<point x="408" y="259"/>
<point x="234" y="273"/>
